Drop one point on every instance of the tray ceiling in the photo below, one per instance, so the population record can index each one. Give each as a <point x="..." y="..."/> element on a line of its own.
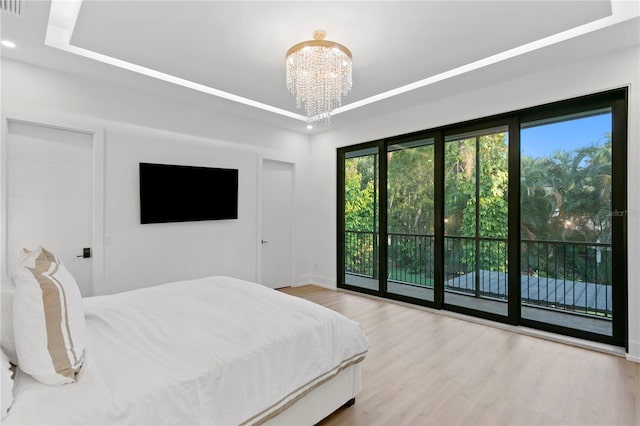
<point x="234" y="50"/>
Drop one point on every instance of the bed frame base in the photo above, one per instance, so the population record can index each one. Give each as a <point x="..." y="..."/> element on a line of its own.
<point x="323" y="400"/>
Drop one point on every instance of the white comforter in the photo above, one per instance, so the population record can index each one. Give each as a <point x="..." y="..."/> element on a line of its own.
<point x="211" y="351"/>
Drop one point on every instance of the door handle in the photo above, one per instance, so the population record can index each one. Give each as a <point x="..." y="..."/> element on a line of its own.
<point x="86" y="253"/>
<point x="264" y="241"/>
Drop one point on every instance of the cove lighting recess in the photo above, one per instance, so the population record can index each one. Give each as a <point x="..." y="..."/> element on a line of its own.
<point x="64" y="14"/>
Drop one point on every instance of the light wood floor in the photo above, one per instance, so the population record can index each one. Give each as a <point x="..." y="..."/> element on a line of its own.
<point x="428" y="369"/>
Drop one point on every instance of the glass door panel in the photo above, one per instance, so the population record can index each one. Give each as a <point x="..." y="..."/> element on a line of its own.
<point x="410" y="219"/>
<point x="475" y="220"/>
<point x="565" y="219"/>
<point x="361" y="219"/>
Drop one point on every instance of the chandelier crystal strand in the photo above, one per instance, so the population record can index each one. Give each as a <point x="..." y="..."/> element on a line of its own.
<point x="319" y="74"/>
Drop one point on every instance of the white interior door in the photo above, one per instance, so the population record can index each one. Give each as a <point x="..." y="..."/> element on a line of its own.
<point x="277" y="204"/>
<point x="49" y="196"/>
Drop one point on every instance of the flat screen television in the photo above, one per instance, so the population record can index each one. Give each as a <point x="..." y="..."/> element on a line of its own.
<point x="170" y="193"/>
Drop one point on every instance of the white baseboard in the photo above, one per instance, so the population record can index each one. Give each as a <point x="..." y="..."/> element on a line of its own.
<point x="633" y="358"/>
<point x="325" y="282"/>
<point x="303" y="280"/>
<point x="634" y="352"/>
<point x="327" y="286"/>
<point x="319" y="281"/>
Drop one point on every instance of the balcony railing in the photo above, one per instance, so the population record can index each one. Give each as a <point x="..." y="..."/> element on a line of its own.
<point x="359" y="253"/>
<point x="570" y="276"/>
<point x="476" y="267"/>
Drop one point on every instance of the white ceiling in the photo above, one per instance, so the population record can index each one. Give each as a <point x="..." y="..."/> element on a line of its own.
<point x="403" y="52"/>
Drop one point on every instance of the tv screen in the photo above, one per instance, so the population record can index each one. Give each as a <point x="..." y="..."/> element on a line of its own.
<point x="171" y="193"/>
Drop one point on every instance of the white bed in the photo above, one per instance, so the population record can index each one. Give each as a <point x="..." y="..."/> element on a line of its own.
<point x="211" y="351"/>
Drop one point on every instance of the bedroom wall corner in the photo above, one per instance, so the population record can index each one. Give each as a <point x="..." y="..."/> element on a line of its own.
<point x="633" y="213"/>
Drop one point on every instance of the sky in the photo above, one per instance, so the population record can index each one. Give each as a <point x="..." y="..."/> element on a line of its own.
<point x="565" y="135"/>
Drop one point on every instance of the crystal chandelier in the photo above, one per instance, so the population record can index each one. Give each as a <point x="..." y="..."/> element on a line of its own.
<point x="319" y="75"/>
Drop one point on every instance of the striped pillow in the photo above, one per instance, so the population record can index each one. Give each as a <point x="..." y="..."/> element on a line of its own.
<point x="48" y="320"/>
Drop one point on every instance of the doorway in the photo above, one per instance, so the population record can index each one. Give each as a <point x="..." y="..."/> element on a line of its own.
<point x="276" y="249"/>
<point x="49" y="197"/>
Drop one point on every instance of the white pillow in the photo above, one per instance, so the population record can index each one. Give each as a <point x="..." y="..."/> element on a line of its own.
<point x="27" y="258"/>
<point x="7" y="339"/>
<point x="6" y="324"/>
<point x="48" y="320"/>
<point x="7" y="385"/>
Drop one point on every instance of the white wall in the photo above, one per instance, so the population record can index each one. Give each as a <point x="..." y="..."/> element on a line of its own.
<point x="617" y="69"/>
<point x="139" y="127"/>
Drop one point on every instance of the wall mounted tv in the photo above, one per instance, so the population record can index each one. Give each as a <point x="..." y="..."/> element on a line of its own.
<point x="170" y="193"/>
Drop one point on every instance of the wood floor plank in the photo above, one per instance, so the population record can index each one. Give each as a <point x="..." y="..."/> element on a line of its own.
<point x="429" y="369"/>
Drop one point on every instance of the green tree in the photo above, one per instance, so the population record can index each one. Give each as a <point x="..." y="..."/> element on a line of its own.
<point x="358" y="198"/>
<point x="490" y="205"/>
<point x="359" y="217"/>
<point x="566" y="197"/>
<point x="410" y="189"/>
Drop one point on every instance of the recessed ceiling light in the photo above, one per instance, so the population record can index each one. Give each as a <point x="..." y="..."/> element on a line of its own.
<point x="7" y="43"/>
<point x="309" y="127"/>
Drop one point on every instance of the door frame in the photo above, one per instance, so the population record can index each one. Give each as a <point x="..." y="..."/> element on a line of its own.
<point x="259" y="216"/>
<point x="97" y="202"/>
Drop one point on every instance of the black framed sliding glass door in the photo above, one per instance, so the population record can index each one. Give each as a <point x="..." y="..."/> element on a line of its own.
<point x="518" y="218"/>
<point x="388" y="251"/>
<point x="476" y="178"/>
<point x="410" y="218"/>
<point x="358" y="254"/>
<point x="571" y="235"/>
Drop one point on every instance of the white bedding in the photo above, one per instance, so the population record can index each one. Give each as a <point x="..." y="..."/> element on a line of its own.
<point x="211" y="351"/>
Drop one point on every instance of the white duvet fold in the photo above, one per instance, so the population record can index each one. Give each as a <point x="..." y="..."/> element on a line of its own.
<point x="216" y="350"/>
